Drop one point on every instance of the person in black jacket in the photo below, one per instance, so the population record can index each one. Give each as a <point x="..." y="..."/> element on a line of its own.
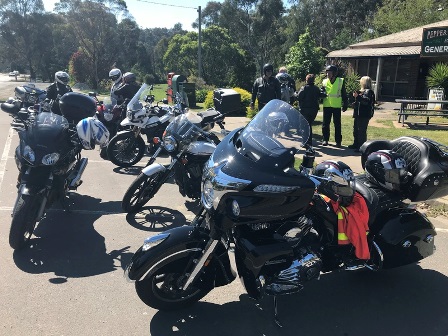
<point x="128" y="89"/>
<point x="362" y="112"/>
<point x="265" y="88"/>
<point x="308" y="97"/>
<point x="58" y="89"/>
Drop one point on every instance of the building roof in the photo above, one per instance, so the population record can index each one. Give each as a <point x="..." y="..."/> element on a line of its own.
<point x="406" y="42"/>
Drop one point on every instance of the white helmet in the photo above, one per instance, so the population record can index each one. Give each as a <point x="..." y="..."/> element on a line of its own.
<point x="115" y="75"/>
<point x="62" y="77"/>
<point x="91" y="131"/>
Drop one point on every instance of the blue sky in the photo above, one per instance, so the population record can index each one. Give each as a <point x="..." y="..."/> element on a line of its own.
<point x="152" y="14"/>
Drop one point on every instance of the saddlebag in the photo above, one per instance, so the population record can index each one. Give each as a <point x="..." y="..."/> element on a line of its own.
<point x="427" y="161"/>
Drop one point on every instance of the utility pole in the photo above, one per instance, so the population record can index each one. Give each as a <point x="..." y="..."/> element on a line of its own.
<point x="199" y="42"/>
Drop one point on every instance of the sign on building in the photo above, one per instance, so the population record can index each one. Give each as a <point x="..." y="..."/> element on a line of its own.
<point x="435" y="41"/>
<point x="435" y="94"/>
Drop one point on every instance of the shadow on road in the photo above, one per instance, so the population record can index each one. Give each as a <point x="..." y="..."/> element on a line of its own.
<point x="156" y="219"/>
<point x="405" y="301"/>
<point x="68" y="245"/>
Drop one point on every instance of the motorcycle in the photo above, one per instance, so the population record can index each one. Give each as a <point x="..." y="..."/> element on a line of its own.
<point x="273" y="215"/>
<point x="189" y="143"/>
<point x="26" y="96"/>
<point x="49" y="160"/>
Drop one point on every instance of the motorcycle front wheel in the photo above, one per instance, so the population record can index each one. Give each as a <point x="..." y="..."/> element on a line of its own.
<point x="141" y="191"/>
<point x="125" y="150"/>
<point x="163" y="289"/>
<point x="24" y="220"/>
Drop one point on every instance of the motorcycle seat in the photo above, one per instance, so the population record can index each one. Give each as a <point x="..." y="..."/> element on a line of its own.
<point x="377" y="199"/>
<point x="10" y="108"/>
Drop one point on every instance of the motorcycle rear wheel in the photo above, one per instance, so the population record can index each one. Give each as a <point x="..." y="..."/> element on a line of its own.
<point x="23" y="221"/>
<point x="141" y="191"/>
<point x="125" y="150"/>
<point x="162" y="290"/>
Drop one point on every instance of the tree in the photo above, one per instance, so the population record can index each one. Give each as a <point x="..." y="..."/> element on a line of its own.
<point x="398" y="15"/>
<point x="304" y="57"/>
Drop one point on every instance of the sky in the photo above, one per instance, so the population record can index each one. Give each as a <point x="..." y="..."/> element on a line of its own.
<point x="158" y="13"/>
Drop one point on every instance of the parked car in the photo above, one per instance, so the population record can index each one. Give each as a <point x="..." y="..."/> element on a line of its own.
<point x="14" y="73"/>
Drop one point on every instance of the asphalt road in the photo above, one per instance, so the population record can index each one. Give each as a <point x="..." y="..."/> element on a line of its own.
<point x="70" y="281"/>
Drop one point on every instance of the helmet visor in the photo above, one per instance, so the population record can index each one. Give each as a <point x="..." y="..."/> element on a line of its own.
<point x="114" y="77"/>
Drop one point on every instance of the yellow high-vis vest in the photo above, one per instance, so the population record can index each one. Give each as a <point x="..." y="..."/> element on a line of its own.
<point x="334" y="98"/>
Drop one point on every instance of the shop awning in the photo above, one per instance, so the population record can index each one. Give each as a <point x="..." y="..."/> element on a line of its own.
<point x="375" y="52"/>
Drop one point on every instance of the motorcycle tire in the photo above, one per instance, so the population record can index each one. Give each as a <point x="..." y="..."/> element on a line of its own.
<point x="161" y="289"/>
<point x="125" y="150"/>
<point x="23" y="221"/>
<point x="141" y="191"/>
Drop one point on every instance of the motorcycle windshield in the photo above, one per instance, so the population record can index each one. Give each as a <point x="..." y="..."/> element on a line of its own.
<point x="48" y="133"/>
<point x="183" y="128"/>
<point x="135" y="103"/>
<point x="277" y="127"/>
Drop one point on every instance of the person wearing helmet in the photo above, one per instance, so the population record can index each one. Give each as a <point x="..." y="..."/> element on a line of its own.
<point x="265" y="88"/>
<point x="308" y="97"/>
<point x="115" y="75"/>
<point x="288" y="85"/>
<point x="128" y="87"/>
<point x="56" y="90"/>
<point x="335" y="101"/>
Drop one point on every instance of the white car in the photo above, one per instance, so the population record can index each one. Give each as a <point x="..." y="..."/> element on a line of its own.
<point x="14" y="73"/>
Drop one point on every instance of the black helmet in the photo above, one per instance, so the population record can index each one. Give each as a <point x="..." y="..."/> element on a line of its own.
<point x="332" y="68"/>
<point x="129" y="77"/>
<point x="283" y="78"/>
<point x="387" y="169"/>
<point x="341" y="180"/>
<point x="62" y="77"/>
<point x="267" y="67"/>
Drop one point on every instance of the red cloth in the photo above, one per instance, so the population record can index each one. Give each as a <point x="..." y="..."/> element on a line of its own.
<point x="355" y="224"/>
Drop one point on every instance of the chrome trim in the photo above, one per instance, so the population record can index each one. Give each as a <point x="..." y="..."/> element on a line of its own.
<point x="211" y="245"/>
<point x="154" y="241"/>
<point x="221" y="182"/>
<point x="169" y="256"/>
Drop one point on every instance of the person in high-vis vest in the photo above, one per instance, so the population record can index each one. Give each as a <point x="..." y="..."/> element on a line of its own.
<point x="335" y="102"/>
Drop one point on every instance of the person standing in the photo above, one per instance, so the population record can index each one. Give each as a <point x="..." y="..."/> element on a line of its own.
<point x="127" y="89"/>
<point x="115" y="75"/>
<point x="335" y="102"/>
<point x="362" y="112"/>
<point x="57" y="89"/>
<point x="265" y="88"/>
<point x="288" y="85"/>
<point x="308" y="97"/>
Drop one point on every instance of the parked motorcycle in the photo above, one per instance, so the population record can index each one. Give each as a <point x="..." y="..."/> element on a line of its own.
<point x="189" y="145"/>
<point x="49" y="160"/>
<point x="284" y="232"/>
<point x="26" y="96"/>
<point x="127" y="147"/>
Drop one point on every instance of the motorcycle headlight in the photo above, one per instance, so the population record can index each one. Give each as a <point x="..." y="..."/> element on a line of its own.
<point x="50" y="159"/>
<point x="28" y="154"/>
<point x="154" y="241"/>
<point x="207" y="194"/>
<point x="169" y="143"/>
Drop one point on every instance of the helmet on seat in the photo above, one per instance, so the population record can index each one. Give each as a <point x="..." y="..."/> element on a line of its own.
<point x="91" y="131"/>
<point x="62" y="77"/>
<point x="115" y="75"/>
<point x="267" y="67"/>
<point x="387" y="169"/>
<point x="341" y="180"/>
<point x="129" y="77"/>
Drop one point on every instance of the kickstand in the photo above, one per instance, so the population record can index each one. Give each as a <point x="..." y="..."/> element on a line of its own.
<point x="277" y="321"/>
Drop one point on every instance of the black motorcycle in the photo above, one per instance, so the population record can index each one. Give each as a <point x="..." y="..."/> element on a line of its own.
<point x="189" y="143"/>
<point x="26" y="96"/>
<point x="49" y="160"/>
<point x="282" y="230"/>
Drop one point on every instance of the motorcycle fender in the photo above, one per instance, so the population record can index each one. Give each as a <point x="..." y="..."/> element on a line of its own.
<point x="176" y="243"/>
<point x="126" y="122"/>
<point x="153" y="169"/>
<point x="405" y="238"/>
<point x="125" y="132"/>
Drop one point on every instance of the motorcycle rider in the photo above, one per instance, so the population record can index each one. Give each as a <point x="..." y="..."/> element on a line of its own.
<point x="115" y="75"/>
<point x="265" y="88"/>
<point x="58" y="89"/>
<point x="287" y="83"/>
<point x="128" y="88"/>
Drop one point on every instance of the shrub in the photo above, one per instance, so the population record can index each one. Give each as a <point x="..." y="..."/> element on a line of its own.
<point x="201" y="95"/>
<point x="438" y="76"/>
<point x="208" y="102"/>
